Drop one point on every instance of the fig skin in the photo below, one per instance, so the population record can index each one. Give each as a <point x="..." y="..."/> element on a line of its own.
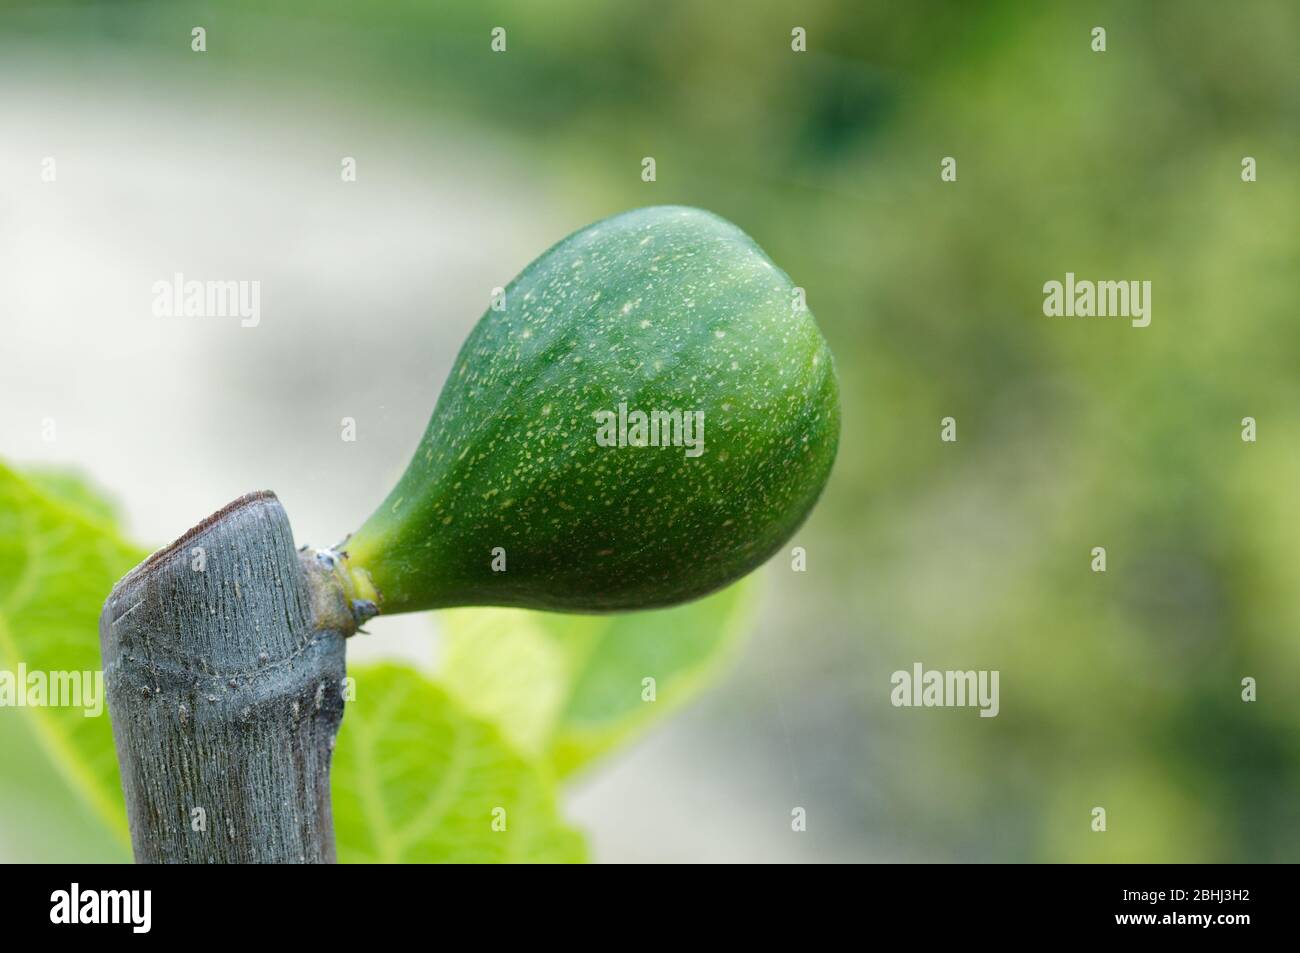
<point x="660" y="309"/>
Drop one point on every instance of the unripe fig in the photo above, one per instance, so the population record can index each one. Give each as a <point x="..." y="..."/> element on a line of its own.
<point x="539" y="483"/>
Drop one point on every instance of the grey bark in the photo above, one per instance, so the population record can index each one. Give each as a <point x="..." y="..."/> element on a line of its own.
<point x="224" y="680"/>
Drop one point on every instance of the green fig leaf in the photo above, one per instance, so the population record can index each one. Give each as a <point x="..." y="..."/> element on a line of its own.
<point x="60" y="793"/>
<point x="570" y="688"/>
<point x="537" y="485"/>
<point x="418" y="780"/>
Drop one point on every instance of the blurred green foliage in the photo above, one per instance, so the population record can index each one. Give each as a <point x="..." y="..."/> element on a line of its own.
<point x="1119" y="689"/>
<point x="567" y="689"/>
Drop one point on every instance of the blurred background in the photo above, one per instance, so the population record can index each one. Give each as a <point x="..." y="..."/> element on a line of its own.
<point x="1120" y="689"/>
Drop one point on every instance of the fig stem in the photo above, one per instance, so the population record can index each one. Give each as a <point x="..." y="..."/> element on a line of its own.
<point x="343" y="597"/>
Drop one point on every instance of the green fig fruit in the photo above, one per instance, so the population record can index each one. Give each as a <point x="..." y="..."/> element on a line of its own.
<point x="646" y="417"/>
